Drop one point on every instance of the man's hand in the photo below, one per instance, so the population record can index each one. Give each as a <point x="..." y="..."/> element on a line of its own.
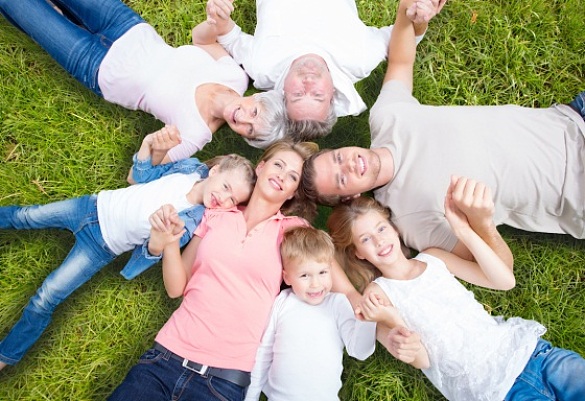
<point x="422" y="11"/>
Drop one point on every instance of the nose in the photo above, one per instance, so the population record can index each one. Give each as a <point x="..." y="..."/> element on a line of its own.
<point x="314" y="281"/>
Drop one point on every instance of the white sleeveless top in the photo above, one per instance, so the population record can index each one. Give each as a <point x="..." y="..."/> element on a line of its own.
<point x="473" y="356"/>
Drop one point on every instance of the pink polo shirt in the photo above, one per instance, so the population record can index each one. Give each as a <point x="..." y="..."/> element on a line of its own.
<point x="227" y="302"/>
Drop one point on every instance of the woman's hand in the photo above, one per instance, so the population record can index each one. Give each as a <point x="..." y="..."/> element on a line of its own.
<point x="166" y="228"/>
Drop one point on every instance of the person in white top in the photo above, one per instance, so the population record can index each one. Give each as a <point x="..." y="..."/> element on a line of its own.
<point x="314" y="51"/>
<point x="116" y="221"/>
<point x="301" y="354"/>
<point x="111" y="50"/>
<point x="466" y="353"/>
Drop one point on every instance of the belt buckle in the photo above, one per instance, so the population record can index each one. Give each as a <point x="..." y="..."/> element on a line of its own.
<point x="204" y="368"/>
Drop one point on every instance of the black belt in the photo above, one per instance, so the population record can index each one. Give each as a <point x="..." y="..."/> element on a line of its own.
<point x="238" y="377"/>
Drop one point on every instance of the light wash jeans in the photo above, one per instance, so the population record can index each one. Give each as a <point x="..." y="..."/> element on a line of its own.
<point x="551" y="374"/>
<point x="88" y="255"/>
<point x="79" y="38"/>
<point x="158" y="377"/>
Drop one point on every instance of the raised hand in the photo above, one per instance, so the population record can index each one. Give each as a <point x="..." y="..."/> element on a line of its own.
<point x="424" y="10"/>
<point x="217" y="9"/>
<point x="468" y="203"/>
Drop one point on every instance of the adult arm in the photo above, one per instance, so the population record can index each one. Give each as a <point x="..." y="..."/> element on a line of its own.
<point x="218" y="22"/>
<point x="412" y="19"/>
<point x="166" y="231"/>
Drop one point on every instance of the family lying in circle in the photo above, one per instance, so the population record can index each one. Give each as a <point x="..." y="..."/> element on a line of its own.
<point x="228" y="231"/>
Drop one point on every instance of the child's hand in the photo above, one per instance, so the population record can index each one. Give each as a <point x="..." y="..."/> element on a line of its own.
<point x="374" y="309"/>
<point x="424" y="10"/>
<point x="218" y="9"/>
<point x="468" y="203"/>
<point x="403" y="344"/>
<point x="166" y="228"/>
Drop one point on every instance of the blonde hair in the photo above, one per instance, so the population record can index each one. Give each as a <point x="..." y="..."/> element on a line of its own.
<point x="306" y="243"/>
<point x="340" y="223"/>
<point x="299" y="204"/>
<point x="234" y="161"/>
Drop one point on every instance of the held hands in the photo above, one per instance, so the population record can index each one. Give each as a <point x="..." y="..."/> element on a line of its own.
<point x="219" y="9"/>
<point x="403" y="344"/>
<point x="166" y="228"/>
<point x="422" y="11"/>
<point x="468" y="203"/>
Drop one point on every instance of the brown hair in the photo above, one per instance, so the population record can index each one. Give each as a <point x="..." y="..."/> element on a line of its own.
<point x="308" y="182"/>
<point x="340" y="223"/>
<point x="306" y="243"/>
<point x="299" y="204"/>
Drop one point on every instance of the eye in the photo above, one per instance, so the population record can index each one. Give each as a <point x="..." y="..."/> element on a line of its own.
<point x="343" y="181"/>
<point x="294" y="177"/>
<point x="278" y="164"/>
<point x="363" y="240"/>
<point x="338" y="158"/>
<point x="381" y="229"/>
<point x="255" y="112"/>
<point x="225" y="186"/>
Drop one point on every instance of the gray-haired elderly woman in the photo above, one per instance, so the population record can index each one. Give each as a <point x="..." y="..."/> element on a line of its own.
<point x="111" y="50"/>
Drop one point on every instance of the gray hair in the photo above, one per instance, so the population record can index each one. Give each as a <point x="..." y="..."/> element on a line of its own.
<point x="309" y="130"/>
<point x="273" y="119"/>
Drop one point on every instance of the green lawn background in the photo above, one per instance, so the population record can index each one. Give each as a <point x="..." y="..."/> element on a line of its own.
<point x="58" y="140"/>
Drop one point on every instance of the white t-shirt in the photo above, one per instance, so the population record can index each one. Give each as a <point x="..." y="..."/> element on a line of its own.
<point x="532" y="159"/>
<point x="473" y="356"/>
<point x="140" y="71"/>
<point x="123" y="213"/>
<point x="301" y="355"/>
<point x="287" y="29"/>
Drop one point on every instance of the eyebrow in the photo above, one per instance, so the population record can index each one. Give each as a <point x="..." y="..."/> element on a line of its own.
<point x="337" y="177"/>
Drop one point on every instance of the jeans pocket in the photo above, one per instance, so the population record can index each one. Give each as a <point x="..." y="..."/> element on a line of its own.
<point x="150" y="357"/>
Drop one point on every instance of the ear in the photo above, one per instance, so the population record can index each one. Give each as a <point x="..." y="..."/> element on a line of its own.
<point x="285" y="277"/>
<point x="259" y="167"/>
<point x="213" y="170"/>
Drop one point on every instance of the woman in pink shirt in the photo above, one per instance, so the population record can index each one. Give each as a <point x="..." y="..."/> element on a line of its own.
<point x="229" y="276"/>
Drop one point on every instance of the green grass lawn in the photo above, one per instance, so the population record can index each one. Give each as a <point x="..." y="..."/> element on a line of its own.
<point x="58" y="140"/>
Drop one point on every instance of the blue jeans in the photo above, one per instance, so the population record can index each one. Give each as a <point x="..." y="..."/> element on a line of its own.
<point x="88" y="255"/>
<point x="579" y="104"/>
<point x="79" y="38"/>
<point x="158" y="377"/>
<point x="551" y="374"/>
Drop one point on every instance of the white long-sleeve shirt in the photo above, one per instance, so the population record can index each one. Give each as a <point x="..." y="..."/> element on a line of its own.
<point x="332" y="29"/>
<point x="301" y="355"/>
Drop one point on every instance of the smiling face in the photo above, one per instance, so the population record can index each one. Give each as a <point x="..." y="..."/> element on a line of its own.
<point x="308" y="89"/>
<point x="375" y="239"/>
<point x="226" y="189"/>
<point x="244" y="116"/>
<point x="310" y="280"/>
<point x="346" y="171"/>
<point x="279" y="176"/>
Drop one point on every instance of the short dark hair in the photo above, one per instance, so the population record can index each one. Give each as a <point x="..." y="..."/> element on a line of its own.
<point x="308" y="182"/>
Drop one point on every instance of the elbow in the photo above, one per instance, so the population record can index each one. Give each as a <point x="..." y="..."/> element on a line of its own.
<point x="174" y="294"/>
<point x="507" y="285"/>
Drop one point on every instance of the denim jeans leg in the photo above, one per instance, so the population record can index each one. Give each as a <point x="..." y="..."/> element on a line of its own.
<point x="78" y="50"/>
<point x="579" y="104"/>
<point x="88" y="256"/>
<point x="551" y="373"/>
<point x="158" y="377"/>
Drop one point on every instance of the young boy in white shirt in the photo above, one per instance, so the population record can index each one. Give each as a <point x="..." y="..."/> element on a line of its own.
<point x="301" y="354"/>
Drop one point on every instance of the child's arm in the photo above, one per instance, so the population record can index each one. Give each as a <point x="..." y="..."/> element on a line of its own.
<point x="154" y="148"/>
<point x="342" y="284"/>
<point x="490" y="269"/>
<point x="392" y="333"/>
<point x="218" y="22"/>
